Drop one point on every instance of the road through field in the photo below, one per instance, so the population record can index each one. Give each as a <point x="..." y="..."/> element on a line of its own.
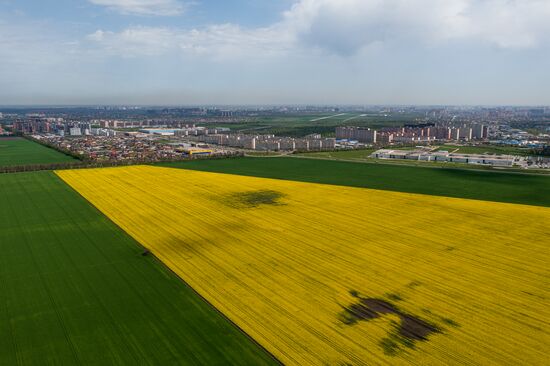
<point x="327" y="117"/>
<point x="323" y="274"/>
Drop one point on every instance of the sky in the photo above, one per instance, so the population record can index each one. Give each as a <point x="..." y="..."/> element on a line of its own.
<point x="189" y="52"/>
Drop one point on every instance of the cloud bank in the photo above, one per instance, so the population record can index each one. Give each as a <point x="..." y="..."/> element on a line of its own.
<point x="345" y="27"/>
<point x="224" y="41"/>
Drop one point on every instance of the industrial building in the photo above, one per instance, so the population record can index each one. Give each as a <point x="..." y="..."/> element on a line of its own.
<point x="197" y="152"/>
<point x="445" y="156"/>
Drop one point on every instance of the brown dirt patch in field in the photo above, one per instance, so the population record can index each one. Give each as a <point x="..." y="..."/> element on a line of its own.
<point x="409" y="330"/>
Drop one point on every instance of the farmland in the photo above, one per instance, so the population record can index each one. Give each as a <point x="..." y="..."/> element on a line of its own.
<point x="324" y="123"/>
<point x="459" y="183"/>
<point x="77" y="290"/>
<point x="487" y="149"/>
<point x="359" y="154"/>
<point x="323" y="274"/>
<point x="19" y="151"/>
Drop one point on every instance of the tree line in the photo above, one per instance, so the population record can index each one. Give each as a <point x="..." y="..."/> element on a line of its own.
<point x="85" y="164"/>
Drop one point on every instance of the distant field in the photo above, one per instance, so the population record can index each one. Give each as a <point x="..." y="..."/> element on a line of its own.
<point x="503" y="150"/>
<point x="325" y="123"/>
<point x="474" y="184"/>
<point x="75" y="290"/>
<point x="342" y="154"/>
<point x="331" y="275"/>
<point x="19" y="151"/>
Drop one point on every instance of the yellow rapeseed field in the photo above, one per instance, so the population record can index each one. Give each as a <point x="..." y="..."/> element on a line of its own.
<point x="322" y="274"/>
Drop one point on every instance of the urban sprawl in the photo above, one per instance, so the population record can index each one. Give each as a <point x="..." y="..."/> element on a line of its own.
<point x="143" y="139"/>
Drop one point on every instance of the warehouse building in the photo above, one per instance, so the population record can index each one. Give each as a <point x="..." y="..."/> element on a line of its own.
<point x="445" y="156"/>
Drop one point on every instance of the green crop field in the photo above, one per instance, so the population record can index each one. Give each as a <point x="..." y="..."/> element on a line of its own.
<point x="76" y="290"/>
<point x="495" y="186"/>
<point x="325" y="123"/>
<point x="359" y="154"/>
<point x="19" y="151"/>
<point x="503" y="150"/>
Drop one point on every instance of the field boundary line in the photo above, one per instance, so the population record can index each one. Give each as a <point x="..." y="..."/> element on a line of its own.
<point x="165" y="266"/>
<point x="356" y="186"/>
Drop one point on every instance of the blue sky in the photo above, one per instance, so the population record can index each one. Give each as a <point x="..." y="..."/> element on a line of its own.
<point x="181" y="52"/>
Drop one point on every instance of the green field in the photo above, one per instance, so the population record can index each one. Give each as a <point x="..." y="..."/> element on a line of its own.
<point x="462" y="183"/>
<point x="502" y="150"/>
<point x="325" y="123"/>
<point x="359" y="154"/>
<point x="76" y="290"/>
<point x="19" y="151"/>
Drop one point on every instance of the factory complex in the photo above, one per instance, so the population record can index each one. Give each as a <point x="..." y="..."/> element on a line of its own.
<point x="446" y="156"/>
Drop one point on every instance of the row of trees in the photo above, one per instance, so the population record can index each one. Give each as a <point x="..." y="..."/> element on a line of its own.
<point x="83" y="164"/>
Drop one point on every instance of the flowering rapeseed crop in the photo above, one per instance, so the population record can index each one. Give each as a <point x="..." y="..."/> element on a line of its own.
<point x="323" y="274"/>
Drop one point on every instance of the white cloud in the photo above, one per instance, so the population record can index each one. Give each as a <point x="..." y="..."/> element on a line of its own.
<point x="343" y="27"/>
<point x="224" y="41"/>
<point x="230" y="40"/>
<point x="135" y="41"/>
<point x="143" y="7"/>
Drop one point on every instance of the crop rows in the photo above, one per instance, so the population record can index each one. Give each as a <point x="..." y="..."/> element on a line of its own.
<point x="323" y="274"/>
<point x="19" y="151"/>
<point x="76" y="290"/>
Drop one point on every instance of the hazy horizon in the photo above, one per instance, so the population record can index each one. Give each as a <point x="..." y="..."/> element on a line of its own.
<point x="240" y="105"/>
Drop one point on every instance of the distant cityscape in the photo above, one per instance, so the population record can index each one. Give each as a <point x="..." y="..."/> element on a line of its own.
<point x="152" y="134"/>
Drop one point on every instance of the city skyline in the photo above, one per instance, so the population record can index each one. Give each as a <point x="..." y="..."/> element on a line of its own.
<point x="169" y="52"/>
